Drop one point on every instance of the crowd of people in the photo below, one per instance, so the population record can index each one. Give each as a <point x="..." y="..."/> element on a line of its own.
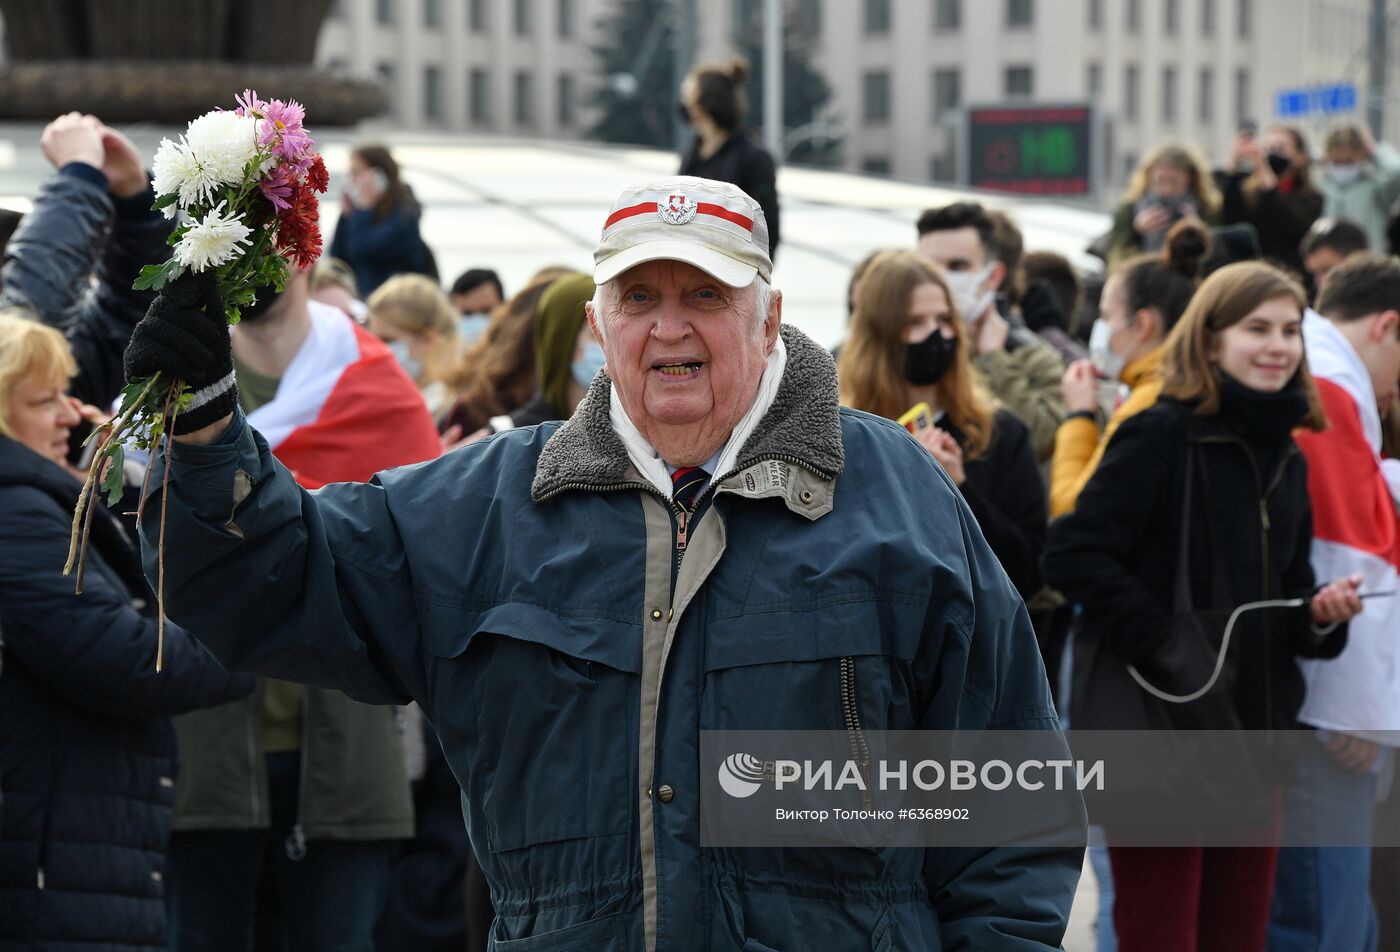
<point x="1211" y="423"/>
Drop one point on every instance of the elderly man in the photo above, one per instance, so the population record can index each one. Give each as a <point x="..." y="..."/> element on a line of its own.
<point x="709" y="543"/>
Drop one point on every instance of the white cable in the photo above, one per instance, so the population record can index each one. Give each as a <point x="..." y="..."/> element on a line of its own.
<point x="1220" y="659"/>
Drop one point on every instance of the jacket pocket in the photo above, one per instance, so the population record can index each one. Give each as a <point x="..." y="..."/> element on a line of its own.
<point x="828" y="667"/>
<point x="547" y="750"/>
<point x="596" y="935"/>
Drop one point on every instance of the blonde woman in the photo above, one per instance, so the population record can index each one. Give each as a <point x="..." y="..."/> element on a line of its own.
<point x="87" y="749"/>
<point x="1171" y="184"/>
<point x="415" y="319"/>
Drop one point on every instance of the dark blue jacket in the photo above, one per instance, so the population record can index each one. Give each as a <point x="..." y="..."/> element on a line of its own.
<point x="87" y="748"/>
<point x="522" y="591"/>
<point x="75" y="233"/>
<point x="375" y="249"/>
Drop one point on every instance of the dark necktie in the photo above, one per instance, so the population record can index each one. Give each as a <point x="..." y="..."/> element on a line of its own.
<point x="686" y="484"/>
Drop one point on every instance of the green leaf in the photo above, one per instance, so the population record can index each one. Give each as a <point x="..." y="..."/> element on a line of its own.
<point x="165" y="201"/>
<point x="113" y="483"/>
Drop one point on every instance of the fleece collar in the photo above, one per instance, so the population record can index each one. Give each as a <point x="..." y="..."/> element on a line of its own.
<point x="803" y="425"/>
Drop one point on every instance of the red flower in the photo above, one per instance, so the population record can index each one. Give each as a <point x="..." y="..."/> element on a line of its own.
<point x="299" y="227"/>
<point x="317" y="176"/>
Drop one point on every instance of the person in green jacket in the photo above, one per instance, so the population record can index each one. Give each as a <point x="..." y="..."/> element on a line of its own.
<point x="1360" y="180"/>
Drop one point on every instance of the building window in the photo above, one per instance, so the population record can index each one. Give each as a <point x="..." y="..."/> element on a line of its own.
<point x="877" y="16"/>
<point x="807" y="18"/>
<point x="1246" y="22"/>
<point x="524" y="99"/>
<point x="876" y="165"/>
<point x="1130" y="92"/>
<point x="1134" y="16"/>
<point x="566" y="18"/>
<point x="947" y="92"/>
<point x="1093" y="79"/>
<point x="476" y="15"/>
<point x="384" y="11"/>
<point x="1207" y="17"/>
<point x="432" y="13"/>
<point x="522" y="17"/>
<point x="1019" y="14"/>
<point x="1019" y="82"/>
<point x="1242" y="110"/>
<point x="432" y="92"/>
<point x="1096" y="15"/>
<point x="1172" y="16"/>
<point x="942" y="169"/>
<point x="1205" y="107"/>
<point x="566" y="100"/>
<point x="386" y="79"/>
<point x="875" y="97"/>
<point x="947" y="15"/>
<point x="1169" y="94"/>
<point x="479" y="96"/>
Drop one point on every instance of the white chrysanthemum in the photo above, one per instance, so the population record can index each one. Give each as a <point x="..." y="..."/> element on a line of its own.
<point x="213" y="153"/>
<point x="174" y="170"/>
<point x="214" y="240"/>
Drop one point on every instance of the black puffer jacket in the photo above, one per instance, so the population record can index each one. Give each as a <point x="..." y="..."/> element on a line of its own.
<point x="74" y="234"/>
<point x="87" y="749"/>
<point x="1250" y="538"/>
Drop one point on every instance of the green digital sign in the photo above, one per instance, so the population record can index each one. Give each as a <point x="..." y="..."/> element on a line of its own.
<point x="1030" y="150"/>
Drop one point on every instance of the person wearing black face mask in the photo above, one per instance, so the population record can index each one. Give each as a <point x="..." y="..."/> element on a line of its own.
<point x="1267" y="183"/>
<point x="908" y="345"/>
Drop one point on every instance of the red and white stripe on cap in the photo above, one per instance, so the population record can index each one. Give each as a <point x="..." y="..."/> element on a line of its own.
<point x="678" y="209"/>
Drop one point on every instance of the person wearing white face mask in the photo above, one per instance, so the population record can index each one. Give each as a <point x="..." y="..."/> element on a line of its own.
<point x="1141" y="303"/>
<point x="414" y="318"/>
<point x="1360" y="181"/>
<point x="1020" y="371"/>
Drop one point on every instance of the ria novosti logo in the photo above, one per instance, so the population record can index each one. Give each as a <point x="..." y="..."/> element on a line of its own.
<point x="740" y="775"/>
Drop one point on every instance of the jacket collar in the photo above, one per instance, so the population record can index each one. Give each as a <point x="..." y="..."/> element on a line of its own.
<point x="803" y="427"/>
<point x="1146" y="367"/>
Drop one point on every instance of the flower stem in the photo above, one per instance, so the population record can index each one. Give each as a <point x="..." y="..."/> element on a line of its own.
<point x="160" y="544"/>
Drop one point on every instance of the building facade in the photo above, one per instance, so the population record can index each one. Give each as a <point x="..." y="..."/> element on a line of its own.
<point x="901" y="71"/>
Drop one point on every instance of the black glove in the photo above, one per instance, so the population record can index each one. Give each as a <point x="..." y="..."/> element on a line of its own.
<point x="184" y="336"/>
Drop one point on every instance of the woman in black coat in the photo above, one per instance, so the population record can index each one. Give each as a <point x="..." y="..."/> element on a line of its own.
<point x="87" y="748"/>
<point x="1235" y="386"/>
<point x="713" y="102"/>
<point x="908" y="345"/>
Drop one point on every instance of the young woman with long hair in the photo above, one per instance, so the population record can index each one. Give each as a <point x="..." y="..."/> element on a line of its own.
<point x="1235" y="384"/>
<point x="1171" y="184"/>
<point x="908" y="345"/>
<point x="377" y="234"/>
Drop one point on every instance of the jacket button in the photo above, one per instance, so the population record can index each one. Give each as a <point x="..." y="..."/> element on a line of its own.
<point x="806" y="497"/>
<point x="155" y="875"/>
<point x="656" y="614"/>
<point x="664" y="793"/>
<point x="167" y="782"/>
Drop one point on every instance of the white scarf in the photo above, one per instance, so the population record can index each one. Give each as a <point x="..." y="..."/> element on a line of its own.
<point x="649" y="462"/>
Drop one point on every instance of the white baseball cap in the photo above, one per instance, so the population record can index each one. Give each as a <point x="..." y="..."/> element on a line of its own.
<point x="712" y="225"/>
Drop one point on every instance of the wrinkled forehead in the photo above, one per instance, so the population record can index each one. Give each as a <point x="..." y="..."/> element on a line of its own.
<point x="664" y="274"/>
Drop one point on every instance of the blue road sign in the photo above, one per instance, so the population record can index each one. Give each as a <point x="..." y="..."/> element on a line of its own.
<point x="1291" y="103"/>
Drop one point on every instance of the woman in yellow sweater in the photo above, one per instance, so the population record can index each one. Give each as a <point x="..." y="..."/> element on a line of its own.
<point x="1141" y="302"/>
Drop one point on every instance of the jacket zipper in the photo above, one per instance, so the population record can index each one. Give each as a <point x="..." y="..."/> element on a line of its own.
<point x="295" y="844"/>
<point x="1265" y="527"/>
<point x="851" y="711"/>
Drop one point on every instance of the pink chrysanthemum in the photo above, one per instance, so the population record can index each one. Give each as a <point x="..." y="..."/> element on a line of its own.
<point x="282" y="129"/>
<point x="249" y="104"/>
<point x="277" y="187"/>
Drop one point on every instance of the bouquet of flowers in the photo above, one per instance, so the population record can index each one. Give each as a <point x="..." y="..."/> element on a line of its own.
<point x="242" y="184"/>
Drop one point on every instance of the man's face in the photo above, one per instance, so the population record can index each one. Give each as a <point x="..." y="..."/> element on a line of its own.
<point x="685" y="352"/>
<point x="1381" y="354"/>
<point x="479" y="300"/>
<point x="956" y="249"/>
